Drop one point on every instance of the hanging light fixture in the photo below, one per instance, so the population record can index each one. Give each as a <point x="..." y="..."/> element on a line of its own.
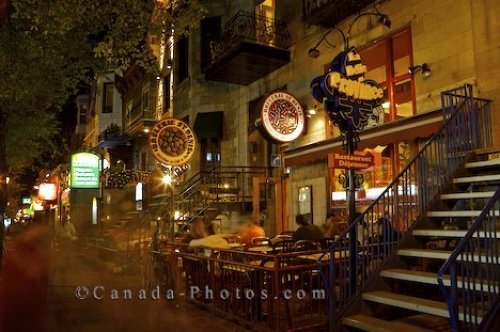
<point x="382" y="18"/>
<point x="424" y="68"/>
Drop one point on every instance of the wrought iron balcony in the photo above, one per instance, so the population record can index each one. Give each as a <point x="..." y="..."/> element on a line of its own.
<point x="251" y="47"/>
<point x="328" y="13"/>
<point x="111" y="137"/>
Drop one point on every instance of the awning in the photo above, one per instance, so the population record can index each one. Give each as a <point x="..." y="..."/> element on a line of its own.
<point x="209" y="125"/>
<point x="418" y="126"/>
<point x="112" y="142"/>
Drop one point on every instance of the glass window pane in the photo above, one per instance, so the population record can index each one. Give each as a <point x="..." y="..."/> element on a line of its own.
<point x="377" y="74"/>
<point x="401" y="50"/>
<point x="375" y="58"/>
<point x="404" y="105"/>
<point x="107" y="98"/>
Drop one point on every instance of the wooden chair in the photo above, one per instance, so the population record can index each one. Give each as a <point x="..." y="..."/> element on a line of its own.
<point x="326" y="242"/>
<point x="304" y="245"/>
<point x="287" y="245"/>
<point x="260" y="241"/>
<point x="283" y="237"/>
<point x="290" y="233"/>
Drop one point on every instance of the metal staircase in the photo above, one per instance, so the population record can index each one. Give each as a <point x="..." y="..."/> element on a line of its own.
<point x="447" y="191"/>
<point x="461" y="230"/>
<point x="206" y="193"/>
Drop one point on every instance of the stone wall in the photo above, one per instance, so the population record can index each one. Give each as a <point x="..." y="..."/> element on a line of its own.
<point x="459" y="39"/>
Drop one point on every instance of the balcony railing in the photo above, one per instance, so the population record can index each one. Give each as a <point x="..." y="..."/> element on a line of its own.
<point x="328" y="13"/>
<point x="249" y="27"/>
<point x="110" y="133"/>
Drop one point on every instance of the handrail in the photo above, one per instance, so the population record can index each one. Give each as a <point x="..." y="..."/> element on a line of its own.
<point x="465" y="270"/>
<point x="380" y="228"/>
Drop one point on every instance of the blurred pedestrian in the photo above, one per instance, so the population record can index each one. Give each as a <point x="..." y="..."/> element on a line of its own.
<point x="250" y="230"/>
<point x="67" y="237"/>
<point x="70" y="230"/>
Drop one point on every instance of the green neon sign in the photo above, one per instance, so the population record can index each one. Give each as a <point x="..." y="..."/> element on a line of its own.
<point x="85" y="171"/>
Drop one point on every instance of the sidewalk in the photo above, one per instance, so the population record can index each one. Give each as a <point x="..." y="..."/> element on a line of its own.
<point x="23" y="282"/>
<point x="72" y="291"/>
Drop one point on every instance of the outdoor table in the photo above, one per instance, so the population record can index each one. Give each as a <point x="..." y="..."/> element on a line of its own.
<point x="265" y="249"/>
<point x="314" y="257"/>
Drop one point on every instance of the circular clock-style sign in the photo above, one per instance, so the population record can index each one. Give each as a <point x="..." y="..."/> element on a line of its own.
<point x="282" y="117"/>
<point x="172" y="141"/>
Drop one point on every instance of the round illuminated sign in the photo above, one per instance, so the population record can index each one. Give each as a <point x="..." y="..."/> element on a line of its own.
<point x="282" y="117"/>
<point x="172" y="141"/>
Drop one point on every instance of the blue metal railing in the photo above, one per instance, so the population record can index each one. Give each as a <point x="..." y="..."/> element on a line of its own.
<point x="473" y="269"/>
<point x="380" y="228"/>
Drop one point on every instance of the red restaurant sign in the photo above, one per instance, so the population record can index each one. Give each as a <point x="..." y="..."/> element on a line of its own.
<point x="338" y="160"/>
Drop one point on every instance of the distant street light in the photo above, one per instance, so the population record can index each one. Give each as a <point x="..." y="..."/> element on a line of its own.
<point x="167" y="179"/>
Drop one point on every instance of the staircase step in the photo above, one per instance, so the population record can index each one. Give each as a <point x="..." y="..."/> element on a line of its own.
<point x="452" y="233"/>
<point x="408" y="302"/>
<point x="470" y="195"/>
<point x="490" y="150"/>
<point x="484" y="163"/>
<point x="429" y="278"/>
<point x="372" y="324"/>
<point x="431" y="307"/>
<point x="459" y="213"/>
<point x="477" y="178"/>
<point x="425" y="253"/>
<point x="454" y="213"/>
<point x="443" y="254"/>
<point x="439" y="232"/>
<point x="412" y="275"/>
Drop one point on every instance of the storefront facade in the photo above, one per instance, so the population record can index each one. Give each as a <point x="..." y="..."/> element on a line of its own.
<point x="445" y="45"/>
<point x="443" y="55"/>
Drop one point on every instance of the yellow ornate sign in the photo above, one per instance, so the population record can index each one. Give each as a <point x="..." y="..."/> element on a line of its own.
<point x="172" y="141"/>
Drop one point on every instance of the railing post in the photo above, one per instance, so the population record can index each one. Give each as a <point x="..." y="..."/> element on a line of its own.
<point x="351" y="204"/>
<point x="453" y="299"/>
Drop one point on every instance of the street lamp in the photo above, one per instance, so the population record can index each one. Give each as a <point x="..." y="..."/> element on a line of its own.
<point x="349" y="101"/>
<point x="167" y="179"/>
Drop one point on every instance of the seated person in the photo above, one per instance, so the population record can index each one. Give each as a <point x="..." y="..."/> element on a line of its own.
<point x="328" y="227"/>
<point x="250" y="230"/>
<point x="306" y="231"/>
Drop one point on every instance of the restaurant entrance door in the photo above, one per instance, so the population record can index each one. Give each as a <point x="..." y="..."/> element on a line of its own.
<point x="268" y="199"/>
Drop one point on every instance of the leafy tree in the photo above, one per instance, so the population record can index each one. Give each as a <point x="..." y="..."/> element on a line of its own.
<point x="48" y="47"/>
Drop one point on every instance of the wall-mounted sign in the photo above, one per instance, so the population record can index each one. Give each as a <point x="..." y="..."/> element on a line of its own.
<point x="172" y="142"/>
<point x="340" y="160"/>
<point x="47" y="191"/>
<point x="275" y="160"/>
<point x="85" y="170"/>
<point x="282" y="117"/>
<point x="350" y="99"/>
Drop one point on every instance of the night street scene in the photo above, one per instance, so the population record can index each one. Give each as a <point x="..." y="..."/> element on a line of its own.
<point x="249" y="165"/>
